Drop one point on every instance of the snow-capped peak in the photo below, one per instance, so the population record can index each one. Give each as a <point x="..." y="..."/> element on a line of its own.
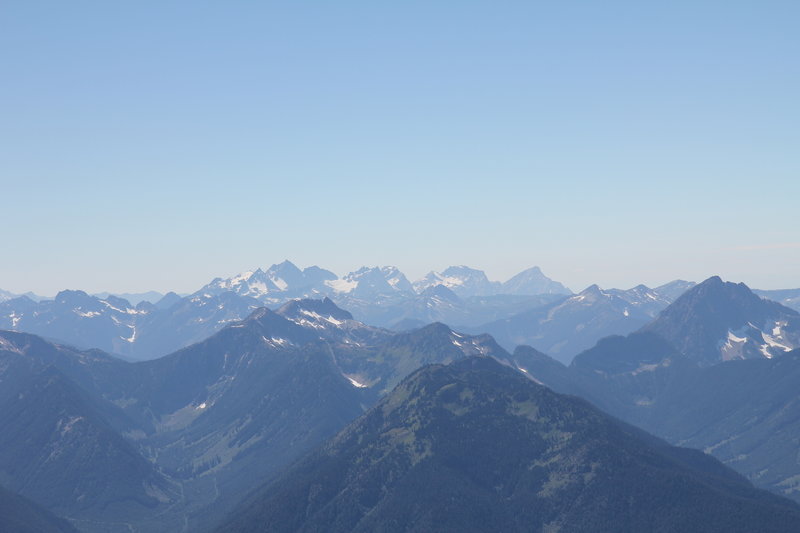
<point x="371" y="281"/>
<point x="462" y="280"/>
<point x="281" y="280"/>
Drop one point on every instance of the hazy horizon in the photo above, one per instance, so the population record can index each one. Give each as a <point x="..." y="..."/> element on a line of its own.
<point x="187" y="288"/>
<point x="155" y="147"/>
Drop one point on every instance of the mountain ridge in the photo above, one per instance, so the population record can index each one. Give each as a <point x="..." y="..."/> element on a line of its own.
<point x="424" y="458"/>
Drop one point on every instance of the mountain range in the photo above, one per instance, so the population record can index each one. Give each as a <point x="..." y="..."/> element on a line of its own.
<point x="725" y="321"/>
<point x="678" y="378"/>
<point x="122" y="445"/>
<point x="380" y="296"/>
<point x="788" y="297"/>
<point x="566" y="327"/>
<point x="285" y="280"/>
<point x="177" y="442"/>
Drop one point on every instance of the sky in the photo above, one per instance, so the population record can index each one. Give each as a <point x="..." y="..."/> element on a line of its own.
<point x="157" y="145"/>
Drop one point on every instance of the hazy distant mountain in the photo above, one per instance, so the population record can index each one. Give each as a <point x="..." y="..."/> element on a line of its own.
<point x="481" y="309"/>
<point x="285" y="281"/>
<point x="533" y="281"/>
<point x="466" y="282"/>
<point x="371" y="283"/>
<point x="188" y="320"/>
<point x="462" y="280"/>
<point x="475" y="446"/>
<point x="565" y="328"/>
<point x="276" y="284"/>
<point x="77" y="318"/>
<point x="718" y="321"/>
<point x="459" y="296"/>
<point x="167" y="301"/>
<point x="133" y="297"/>
<point x="381" y="296"/>
<point x="439" y="297"/>
<point x="6" y="295"/>
<point x="672" y="290"/>
<point x="144" y="331"/>
<point x="645" y="300"/>
<point x="788" y="297"/>
<point x="440" y="304"/>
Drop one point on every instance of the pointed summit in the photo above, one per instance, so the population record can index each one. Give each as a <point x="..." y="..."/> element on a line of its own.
<point x="462" y="280"/>
<point x="276" y="284"/>
<point x="286" y="275"/>
<point x="531" y="282"/>
<point x="590" y="294"/>
<point x="672" y="290"/>
<point x="372" y="282"/>
<point x="309" y="307"/>
<point x="440" y="291"/>
<point x="717" y="321"/>
<point x="571" y="325"/>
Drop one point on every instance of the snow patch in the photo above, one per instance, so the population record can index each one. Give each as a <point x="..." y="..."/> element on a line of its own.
<point x="132" y="338"/>
<point x="236" y="280"/>
<point x="529" y="375"/>
<point x="318" y="317"/>
<point x="451" y="281"/>
<point x="280" y="341"/>
<point x="771" y="341"/>
<point x="258" y="288"/>
<point x="733" y="339"/>
<point x="5" y="344"/>
<point x="342" y="285"/>
<point x="280" y="283"/>
<point x="88" y="314"/>
<point x="646" y="368"/>
<point x="355" y="383"/>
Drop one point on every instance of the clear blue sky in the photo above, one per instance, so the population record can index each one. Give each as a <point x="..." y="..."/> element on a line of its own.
<point x="156" y="145"/>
